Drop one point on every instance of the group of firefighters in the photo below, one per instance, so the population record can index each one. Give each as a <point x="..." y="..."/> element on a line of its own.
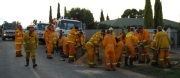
<point x="137" y="45"/>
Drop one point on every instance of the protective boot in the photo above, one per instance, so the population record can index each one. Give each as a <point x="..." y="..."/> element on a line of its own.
<point x="131" y="61"/>
<point x="34" y="63"/>
<point x="126" y="61"/>
<point x="27" y="62"/>
<point x="108" y="68"/>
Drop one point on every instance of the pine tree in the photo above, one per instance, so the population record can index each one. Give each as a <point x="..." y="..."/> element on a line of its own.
<point x="50" y="15"/>
<point x="148" y="16"/>
<point x="158" y="15"/>
<point x="107" y="17"/>
<point x="58" y="12"/>
<point x="102" y="16"/>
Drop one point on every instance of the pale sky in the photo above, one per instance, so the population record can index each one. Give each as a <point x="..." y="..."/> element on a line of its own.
<point x="27" y="10"/>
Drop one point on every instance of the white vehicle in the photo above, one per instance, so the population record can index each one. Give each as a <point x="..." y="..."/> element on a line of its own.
<point x="40" y="28"/>
<point x="8" y="30"/>
<point x="66" y="25"/>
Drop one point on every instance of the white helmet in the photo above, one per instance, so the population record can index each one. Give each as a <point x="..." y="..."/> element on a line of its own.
<point x="110" y="28"/>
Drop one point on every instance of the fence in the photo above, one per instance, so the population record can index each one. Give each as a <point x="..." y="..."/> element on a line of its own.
<point x="172" y="32"/>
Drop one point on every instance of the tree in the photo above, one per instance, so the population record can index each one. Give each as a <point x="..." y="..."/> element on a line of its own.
<point x="131" y="13"/>
<point x="107" y="17"/>
<point x="83" y="15"/>
<point x="50" y="15"/>
<point x="148" y="16"/>
<point x="158" y="16"/>
<point x="58" y="12"/>
<point x="102" y="16"/>
<point x="65" y="12"/>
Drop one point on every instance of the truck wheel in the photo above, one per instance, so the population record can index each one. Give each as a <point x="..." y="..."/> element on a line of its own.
<point x="3" y="38"/>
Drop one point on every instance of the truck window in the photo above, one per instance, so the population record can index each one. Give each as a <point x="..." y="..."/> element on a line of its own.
<point x="65" y="24"/>
<point x="9" y="26"/>
<point x="42" y="26"/>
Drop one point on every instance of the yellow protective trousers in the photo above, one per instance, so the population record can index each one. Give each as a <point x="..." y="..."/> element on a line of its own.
<point x="130" y="51"/>
<point x="71" y="47"/>
<point x="164" y="54"/>
<point x="119" y="52"/>
<point x="90" y="50"/>
<point x="18" y="49"/>
<point x="110" y="57"/>
<point x="145" y="54"/>
<point x="65" y="49"/>
<point x="49" y="49"/>
<point x="30" y="53"/>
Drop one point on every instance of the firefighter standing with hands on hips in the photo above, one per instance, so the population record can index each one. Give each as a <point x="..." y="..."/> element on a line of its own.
<point x="30" y="42"/>
<point x="18" y="41"/>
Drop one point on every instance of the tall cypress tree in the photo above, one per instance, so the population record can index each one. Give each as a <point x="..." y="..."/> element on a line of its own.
<point x="102" y="16"/>
<point x="107" y="17"/>
<point x="158" y="15"/>
<point x="65" y="12"/>
<point x="148" y="16"/>
<point x="58" y="12"/>
<point x="50" y="15"/>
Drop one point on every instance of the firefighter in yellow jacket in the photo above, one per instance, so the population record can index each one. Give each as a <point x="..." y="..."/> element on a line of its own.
<point x="92" y="47"/>
<point x="131" y="42"/>
<point x="163" y="45"/>
<point x="144" y="41"/>
<point x="30" y="42"/>
<point x="109" y="44"/>
<point x="154" y="51"/>
<point x="48" y="36"/>
<point x="18" y="41"/>
<point x="72" y="42"/>
<point x="63" y="43"/>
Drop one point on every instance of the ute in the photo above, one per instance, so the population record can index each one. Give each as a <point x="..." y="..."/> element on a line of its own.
<point x="8" y="30"/>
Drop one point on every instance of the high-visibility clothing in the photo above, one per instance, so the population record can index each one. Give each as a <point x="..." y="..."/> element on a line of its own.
<point x="109" y="43"/>
<point x="63" y="42"/>
<point x="92" y="47"/>
<point x="72" y="41"/>
<point x="120" y="37"/>
<point x="162" y="40"/>
<point x="163" y="43"/>
<point x="55" y="38"/>
<point x="48" y="36"/>
<point x="154" y="50"/>
<point x="119" y="51"/>
<point x="18" y="41"/>
<point x="144" y="39"/>
<point x="30" y="42"/>
<point x="131" y="42"/>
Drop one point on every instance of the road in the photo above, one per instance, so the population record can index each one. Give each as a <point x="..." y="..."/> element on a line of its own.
<point x="14" y="67"/>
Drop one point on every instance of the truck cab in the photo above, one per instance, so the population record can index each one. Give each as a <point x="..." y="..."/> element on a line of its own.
<point x="8" y="30"/>
<point x="40" y="29"/>
<point x="66" y="25"/>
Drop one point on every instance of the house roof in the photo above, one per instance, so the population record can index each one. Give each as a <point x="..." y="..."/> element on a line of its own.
<point x="133" y="22"/>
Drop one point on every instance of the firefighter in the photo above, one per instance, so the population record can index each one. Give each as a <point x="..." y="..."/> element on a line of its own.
<point x="18" y="41"/>
<point x="55" y="39"/>
<point x="48" y="36"/>
<point x="131" y="42"/>
<point x="111" y="30"/>
<point x="144" y="42"/>
<point x="109" y="44"/>
<point x="154" y="51"/>
<point x="82" y="41"/>
<point x="30" y="42"/>
<point x="119" y="51"/>
<point x="92" y="46"/>
<point x="122" y="36"/>
<point x="63" y="43"/>
<point x="163" y="45"/>
<point x="72" y="41"/>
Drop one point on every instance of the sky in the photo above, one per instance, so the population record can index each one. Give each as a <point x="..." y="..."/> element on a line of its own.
<point x="26" y="11"/>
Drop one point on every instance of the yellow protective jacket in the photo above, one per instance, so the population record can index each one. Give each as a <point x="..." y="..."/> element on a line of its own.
<point x="94" y="41"/>
<point x="30" y="41"/>
<point x="162" y="40"/>
<point x="48" y="36"/>
<point x="144" y="38"/>
<point x="109" y="42"/>
<point x="18" y="36"/>
<point x="63" y="41"/>
<point x="131" y="39"/>
<point x="82" y="39"/>
<point x="73" y="36"/>
<point x="55" y="37"/>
